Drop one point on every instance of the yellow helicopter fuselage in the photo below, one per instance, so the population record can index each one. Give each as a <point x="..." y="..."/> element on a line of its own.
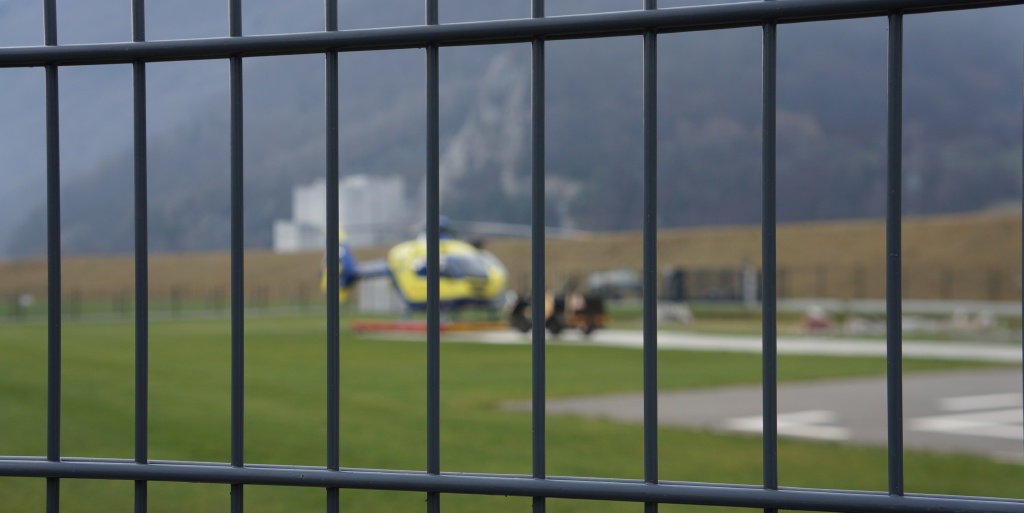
<point x="468" y="275"/>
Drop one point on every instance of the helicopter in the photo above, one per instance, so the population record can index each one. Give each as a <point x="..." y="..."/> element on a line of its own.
<point x="469" y="276"/>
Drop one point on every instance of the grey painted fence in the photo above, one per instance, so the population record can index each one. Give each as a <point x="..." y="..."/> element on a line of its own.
<point x="648" y="22"/>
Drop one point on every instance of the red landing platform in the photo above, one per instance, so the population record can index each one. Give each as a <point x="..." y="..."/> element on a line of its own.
<point x="420" y="326"/>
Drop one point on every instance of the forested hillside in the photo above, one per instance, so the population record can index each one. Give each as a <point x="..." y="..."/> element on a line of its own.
<point x="962" y="133"/>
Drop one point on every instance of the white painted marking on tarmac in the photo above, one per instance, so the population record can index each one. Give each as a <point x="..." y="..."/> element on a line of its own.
<point x="989" y="415"/>
<point x="813" y="424"/>
<point x="981" y="402"/>
<point x="992" y="424"/>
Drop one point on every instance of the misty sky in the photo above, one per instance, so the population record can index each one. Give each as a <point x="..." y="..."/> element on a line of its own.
<point x="95" y="108"/>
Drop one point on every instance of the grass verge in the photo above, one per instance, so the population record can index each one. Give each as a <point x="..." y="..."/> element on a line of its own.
<point x="383" y="417"/>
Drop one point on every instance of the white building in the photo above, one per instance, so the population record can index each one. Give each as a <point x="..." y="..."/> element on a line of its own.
<point x="367" y="207"/>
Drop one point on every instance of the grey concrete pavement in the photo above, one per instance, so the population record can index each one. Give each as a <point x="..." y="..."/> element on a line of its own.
<point x="976" y="412"/>
<point x="809" y="345"/>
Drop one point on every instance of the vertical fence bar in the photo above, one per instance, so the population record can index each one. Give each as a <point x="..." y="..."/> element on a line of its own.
<point x="331" y="259"/>
<point x="141" y="260"/>
<point x="894" y="292"/>
<point x="538" y="248"/>
<point x="1022" y="227"/>
<point x="237" y="262"/>
<point x="769" y="322"/>
<point x="650" y="258"/>
<point x="53" y="263"/>
<point x="433" y="264"/>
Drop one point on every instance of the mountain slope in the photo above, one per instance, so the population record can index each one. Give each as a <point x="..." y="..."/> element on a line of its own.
<point x="962" y="132"/>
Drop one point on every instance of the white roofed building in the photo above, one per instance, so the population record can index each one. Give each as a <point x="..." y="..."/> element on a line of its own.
<point x="367" y="207"/>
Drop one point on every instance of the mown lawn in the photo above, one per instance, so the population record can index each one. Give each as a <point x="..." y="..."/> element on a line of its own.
<point x="383" y="417"/>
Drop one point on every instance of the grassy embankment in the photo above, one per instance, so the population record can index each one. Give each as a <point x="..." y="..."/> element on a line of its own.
<point x="970" y="256"/>
<point x="383" y="417"/>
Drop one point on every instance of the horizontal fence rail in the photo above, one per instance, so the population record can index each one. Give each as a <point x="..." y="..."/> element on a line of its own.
<point x="647" y="21"/>
<point x="669" y="492"/>
<point x="669" y="20"/>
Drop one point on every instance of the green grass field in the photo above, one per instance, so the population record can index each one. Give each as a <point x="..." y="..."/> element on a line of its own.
<point x="383" y="417"/>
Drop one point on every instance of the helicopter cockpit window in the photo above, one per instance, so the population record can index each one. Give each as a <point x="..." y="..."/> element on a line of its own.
<point x="457" y="266"/>
<point x="464" y="267"/>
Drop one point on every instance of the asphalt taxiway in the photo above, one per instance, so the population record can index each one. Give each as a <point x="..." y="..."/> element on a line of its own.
<point x="974" y="412"/>
<point x="806" y="345"/>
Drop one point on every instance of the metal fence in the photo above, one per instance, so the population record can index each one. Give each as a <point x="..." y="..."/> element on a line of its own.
<point x="651" y="490"/>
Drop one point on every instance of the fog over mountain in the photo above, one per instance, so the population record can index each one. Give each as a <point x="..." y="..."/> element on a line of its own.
<point x="962" y="113"/>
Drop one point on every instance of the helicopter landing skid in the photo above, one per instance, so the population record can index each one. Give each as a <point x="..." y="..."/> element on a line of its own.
<point x="420" y="326"/>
